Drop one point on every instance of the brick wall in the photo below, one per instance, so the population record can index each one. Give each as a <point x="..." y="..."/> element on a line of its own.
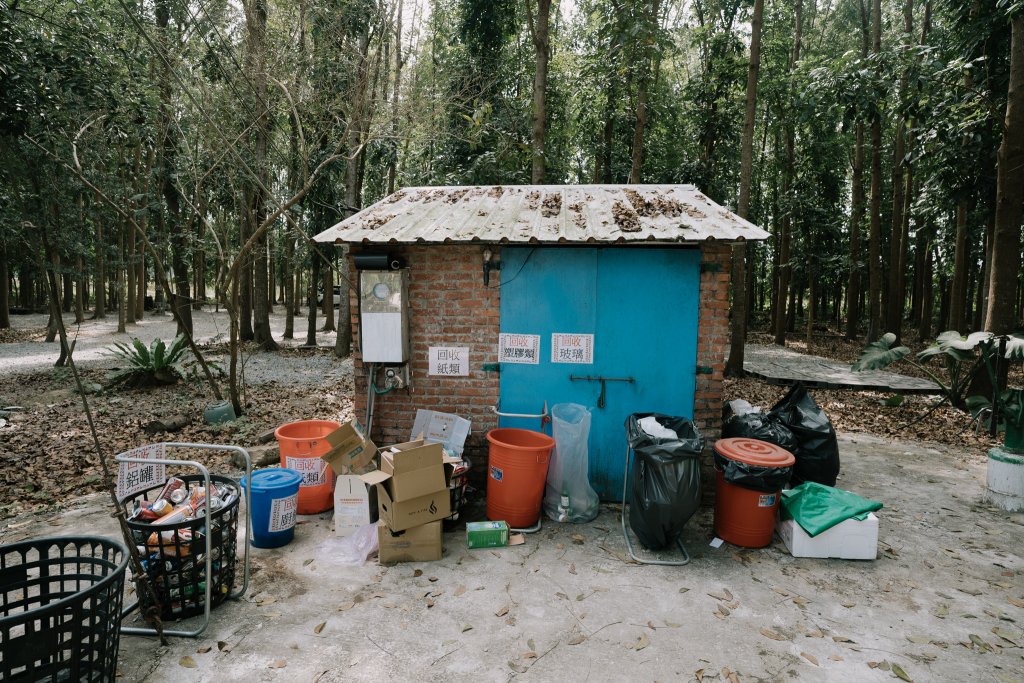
<point x="449" y="306"/>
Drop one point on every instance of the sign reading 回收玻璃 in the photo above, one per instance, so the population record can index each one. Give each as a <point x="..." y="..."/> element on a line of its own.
<point x="572" y="348"/>
<point x="519" y="348"/>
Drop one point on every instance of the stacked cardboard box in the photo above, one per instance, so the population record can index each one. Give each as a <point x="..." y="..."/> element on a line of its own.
<point x="412" y="499"/>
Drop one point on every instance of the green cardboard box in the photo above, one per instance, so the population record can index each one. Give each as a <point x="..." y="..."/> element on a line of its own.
<point x="486" y="534"/>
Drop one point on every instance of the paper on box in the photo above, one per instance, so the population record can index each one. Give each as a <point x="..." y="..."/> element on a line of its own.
<point x="443" y="428"/>
<point x="851" y="539"/>
<point x="350" y="448"/>
<point x="417" y="544"/>
<point x="355" y="504"/>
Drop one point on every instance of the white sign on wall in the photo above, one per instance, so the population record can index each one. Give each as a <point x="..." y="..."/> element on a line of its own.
<point x="519" y="348"/>
<point x="133" y="477"/>
<point x="572" y="348"/>
<point x="449" y="361"/>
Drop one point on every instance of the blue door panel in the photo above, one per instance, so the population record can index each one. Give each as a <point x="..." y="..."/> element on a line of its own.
<point x="641" y="307"/>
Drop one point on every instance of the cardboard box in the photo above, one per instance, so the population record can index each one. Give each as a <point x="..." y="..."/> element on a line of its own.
<point x="355" y="504"/>
<point x="444" y="428"/>
<point x="350" y="448"/>
<point x="848" y="540"/>
<point x="418" y="544"/>
<point x="412" y="484"/>
<point x="486" y="534"/>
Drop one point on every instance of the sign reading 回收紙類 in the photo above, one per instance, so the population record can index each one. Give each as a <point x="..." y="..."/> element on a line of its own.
<point x="519" y="348"/>
<point x="572" y="348"/>
<point x="449" y="361"/>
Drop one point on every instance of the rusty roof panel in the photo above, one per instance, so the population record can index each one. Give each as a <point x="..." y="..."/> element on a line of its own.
<point x="545" y="214"/>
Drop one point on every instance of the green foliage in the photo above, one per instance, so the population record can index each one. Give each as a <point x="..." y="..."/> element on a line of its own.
<point x="880" y="354"/>
<point x="158" y="364"/>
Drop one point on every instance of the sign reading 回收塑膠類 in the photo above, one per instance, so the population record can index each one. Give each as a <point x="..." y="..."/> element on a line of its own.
<point x="572" y="348"/>
<point x="519" y="348"/>
<point x="133" y="477"/>
<point x="449" y="361"/>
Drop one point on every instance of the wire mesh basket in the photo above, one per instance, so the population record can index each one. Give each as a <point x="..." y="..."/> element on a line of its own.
<point x="60" y="608"/>
<point x="174" y="554"/>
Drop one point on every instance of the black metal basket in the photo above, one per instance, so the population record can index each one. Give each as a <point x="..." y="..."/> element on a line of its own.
<point x="60" y="608"/>
<point x="175" y="559"/>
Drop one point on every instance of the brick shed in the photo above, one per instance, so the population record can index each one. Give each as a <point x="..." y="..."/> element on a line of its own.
<point x="514" y="298"/>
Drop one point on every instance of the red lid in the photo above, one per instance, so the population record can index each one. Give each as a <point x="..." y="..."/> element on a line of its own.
<point x="754" y="452"/>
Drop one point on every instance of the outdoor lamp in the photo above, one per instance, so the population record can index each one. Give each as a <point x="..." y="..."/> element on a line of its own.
<point x="489" y="266"/>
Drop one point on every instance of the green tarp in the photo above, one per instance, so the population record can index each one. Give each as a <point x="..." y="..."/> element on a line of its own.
<point x="817" y="508"/>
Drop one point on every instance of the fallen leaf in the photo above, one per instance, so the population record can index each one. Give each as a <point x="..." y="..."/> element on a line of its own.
<point x="801" y="601"/>
<point x="835" y="658"/>
<point x="810" y="658"/>
<point x="672" y="624"/>
<point x="345" y="606"/>
<point x="467" y="627"/>
<point x="204" y="649"/>
<point x="578" y="539"/>
<point x="1005" y="635"/>
<point x="459" y="591"/>
<point x="848" y="605"/>
<point x="942" y="611"/>
<point x="437" y="594"/>
<point x="319" y="627"/>
<point x="188" y="662"/>
<point x="900" y="673"/>
<point x="774" y="635"/>
<point x="517" y="667"/>
<point x="976" y="639"/>
<point x="502" y="612"/>
<point x="223" y="646"/>
<point x="841" y="639"/>
<point x="417" y="573"/>
<point x="432" y="579"/>
<point x="920" y="640"/>
<point x="306" y="563"/>
<point x="815" y="634"/>
<point x="684" y="589"/>
<point x="277" y="664"/>
<point x="650" y="625"/>
<point x="724" y="610"/>
<point x="511" y="621"/>
<point x="267" y="600"/>
<point x="430" y="603"/>
<point x="970" y="591"/>
<point x="699" y="675"/>
<point x="642" y="642"/>
<point x="781" y="591"/>
<point x="572" y="568"/>
<point x="576" y="640"/>
<point x="530" y="644"/>
<point x="725" y="597"/>
<point x="1015" y="602"/>
<point x="562" y="595"/>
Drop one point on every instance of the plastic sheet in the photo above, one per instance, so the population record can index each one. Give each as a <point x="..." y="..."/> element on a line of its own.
<point x="817" y="449"/>
<point x="569" y="466"/>
<point x="665" y="479"/>
<point x="817" y="508"/>
<point x="757" y="425"/>
<point x="352" y="550"/>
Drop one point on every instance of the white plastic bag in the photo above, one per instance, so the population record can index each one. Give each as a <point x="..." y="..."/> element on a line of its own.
<point x="567" y="473"/>
<point x="351" y="551"/>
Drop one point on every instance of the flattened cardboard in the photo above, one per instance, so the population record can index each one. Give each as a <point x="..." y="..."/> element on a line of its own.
<point x="405" y="514"/>
<point x="350" y="448"/>
<point x="355" y="504"/>
<point x="444" y="428"/>
<point x="418" y="544"/>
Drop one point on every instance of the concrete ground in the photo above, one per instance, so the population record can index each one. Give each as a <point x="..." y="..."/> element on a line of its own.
<point x="943" y="601"/>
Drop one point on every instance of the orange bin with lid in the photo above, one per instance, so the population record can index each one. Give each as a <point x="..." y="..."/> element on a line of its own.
<point x="746" y="516"/>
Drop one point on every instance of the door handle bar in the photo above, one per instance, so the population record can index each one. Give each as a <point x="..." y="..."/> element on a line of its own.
<point x="602" y="380"/>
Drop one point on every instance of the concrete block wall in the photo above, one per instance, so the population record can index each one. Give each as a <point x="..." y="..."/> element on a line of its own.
<point x="449" y="306"/>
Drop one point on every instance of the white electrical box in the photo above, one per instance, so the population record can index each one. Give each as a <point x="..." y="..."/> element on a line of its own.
<point x="384" y="315"/>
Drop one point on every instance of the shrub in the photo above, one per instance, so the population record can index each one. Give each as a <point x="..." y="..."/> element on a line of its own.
<point x="157" y="365"/>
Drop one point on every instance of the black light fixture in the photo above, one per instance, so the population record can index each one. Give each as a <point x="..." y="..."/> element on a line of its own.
<point x="489" y="265"/>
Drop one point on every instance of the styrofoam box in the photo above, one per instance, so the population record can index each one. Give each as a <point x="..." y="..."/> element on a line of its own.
<point x="848" y="540"/>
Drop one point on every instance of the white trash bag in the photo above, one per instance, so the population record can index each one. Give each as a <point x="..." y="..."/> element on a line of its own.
<point x="568" y="496"/>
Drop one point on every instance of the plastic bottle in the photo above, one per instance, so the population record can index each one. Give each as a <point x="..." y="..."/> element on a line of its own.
<point x="563" y="505"/>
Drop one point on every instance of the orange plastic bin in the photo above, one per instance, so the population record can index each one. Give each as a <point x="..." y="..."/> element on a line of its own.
<point x="746" y="516"/>
<point x="302" y="443"/>
<point x="516" y="474"/>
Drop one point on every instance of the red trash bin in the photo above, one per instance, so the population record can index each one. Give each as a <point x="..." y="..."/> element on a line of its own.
<point x="744" y="516"/>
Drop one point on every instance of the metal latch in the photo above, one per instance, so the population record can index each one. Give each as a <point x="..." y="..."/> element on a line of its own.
<point x="602" y="380"/>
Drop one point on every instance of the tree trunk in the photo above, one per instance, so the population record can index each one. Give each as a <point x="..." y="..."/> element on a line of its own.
<point x="5" y="291"/>
<point x="79" y="289"/>
<point x="1005" y="274"/>
<point x="123" y="296"/>
<point x="323" y="252"/>
<point x="782" y="320"/>
<point x="245" y="331"/>
<point x="924" y="325"/>
<point x="343" y="340"/>
<point x="539" y="31"/>
<point x="643" y="84"/>
<point x="738" y="321"/>
<point x="958" y="293"/>
<point x="875" y="210"/>
<point x="314" y="278"/>
<point x="396" y="87"/>
<point x="856" y="219"/>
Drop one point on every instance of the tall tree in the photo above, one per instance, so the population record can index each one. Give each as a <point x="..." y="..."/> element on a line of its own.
<point x="738" y="322"/>
<point x="875" y="209"/>
<point x="539" y="35"/>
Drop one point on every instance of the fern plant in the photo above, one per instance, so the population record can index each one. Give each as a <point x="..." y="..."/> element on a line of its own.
<point x="158" y="364"/>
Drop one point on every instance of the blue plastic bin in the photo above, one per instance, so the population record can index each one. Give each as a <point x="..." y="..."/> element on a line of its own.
<point x="275" y="496"/>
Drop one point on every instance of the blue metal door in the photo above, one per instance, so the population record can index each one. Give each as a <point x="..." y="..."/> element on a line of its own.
<point x="639" y="304"/>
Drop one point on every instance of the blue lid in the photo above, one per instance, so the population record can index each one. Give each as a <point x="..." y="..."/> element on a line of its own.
<point x="273" y="478"/>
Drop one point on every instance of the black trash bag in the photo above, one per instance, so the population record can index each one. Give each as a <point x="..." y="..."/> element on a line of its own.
<point x="817" y="448"/>
<point x="754" y="477"/>
<point x="761" y="427"/>
<point x="666" y="479"/>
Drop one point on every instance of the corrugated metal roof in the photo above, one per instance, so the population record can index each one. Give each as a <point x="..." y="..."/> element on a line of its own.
<point x="543" y="214"/>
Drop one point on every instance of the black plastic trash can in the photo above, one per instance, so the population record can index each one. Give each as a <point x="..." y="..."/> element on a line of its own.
<point x="60" y="608"/>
